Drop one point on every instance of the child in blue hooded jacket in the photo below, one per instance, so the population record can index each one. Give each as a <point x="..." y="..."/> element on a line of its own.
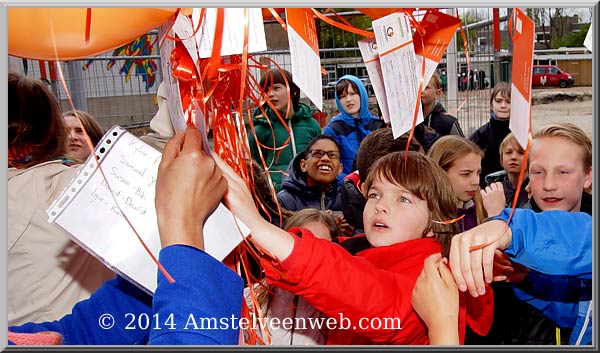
<point x="354" y="121"/>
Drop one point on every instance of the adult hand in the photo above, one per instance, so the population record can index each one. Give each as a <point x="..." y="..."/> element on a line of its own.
<point x="494" y="200"/>
<point x="473" y="268"/>
<point x="189" y="187"/>
<point x="435" y="299"/>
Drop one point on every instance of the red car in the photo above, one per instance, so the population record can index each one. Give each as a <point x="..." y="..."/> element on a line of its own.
<point x="550" y="75"/>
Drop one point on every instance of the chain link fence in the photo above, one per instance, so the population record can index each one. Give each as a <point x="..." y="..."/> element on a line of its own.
<point x="121" y="90"/>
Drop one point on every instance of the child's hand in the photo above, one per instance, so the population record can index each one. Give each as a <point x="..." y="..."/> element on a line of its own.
<point x="189" y="187"/>
<point x="275" y="241"/>
<point x="494" y="199"/>
<point x="346" y="230"/>
<point x="435" y="299"/>
<point x="238" y="197"/>
<point x="473" y="268"/>
<point x="508" y="271"/>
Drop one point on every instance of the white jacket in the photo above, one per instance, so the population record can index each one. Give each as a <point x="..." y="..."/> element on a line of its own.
<point x="47" y="272"/>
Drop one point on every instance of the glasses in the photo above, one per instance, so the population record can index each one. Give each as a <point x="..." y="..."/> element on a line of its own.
<point x="320" y="153"/>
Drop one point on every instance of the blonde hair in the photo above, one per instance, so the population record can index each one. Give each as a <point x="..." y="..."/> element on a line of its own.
<point x="446" y="150"/>
<point x="508" y="139"/>
<point x="308" y="215"/>
<point x="571" y="133"/>
<point x="426" y="180"/>
<point x="437" y="80"/>
<point x="299" y="219"/>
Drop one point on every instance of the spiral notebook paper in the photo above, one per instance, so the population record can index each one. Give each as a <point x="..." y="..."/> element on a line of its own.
<point x="87" y="211"/>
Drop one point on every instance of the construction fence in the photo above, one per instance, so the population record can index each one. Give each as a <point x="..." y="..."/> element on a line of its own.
<point x="120" y="89"/>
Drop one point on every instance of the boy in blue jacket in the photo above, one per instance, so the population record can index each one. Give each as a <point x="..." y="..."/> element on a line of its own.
<point x="204" y="290"/>
<point x="555" y="245"/>
<point x="354" y="121"/>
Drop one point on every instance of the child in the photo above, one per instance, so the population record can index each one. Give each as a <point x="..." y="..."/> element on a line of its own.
<point x="311" y="177"/>
<point x="489" y="136"/>
<point x="47" y="273"/>
<point x="376" y="145"/>
<point x="188" y="189"/>
<point x="556" y="242"/>
<point x="271" y="133"/>
<point x="437" y="122"/>
<point x="544" y="241"/>
<point x="435" y="299"/>
<point x="282" y="304"/>
<point x="77" y="122"/>
<point x="354" y="122"/>
<point x="511" y="157"/>
<point x="560" y="169"/>
<point x="409" y="200"/>
<point x="461" y="159"/>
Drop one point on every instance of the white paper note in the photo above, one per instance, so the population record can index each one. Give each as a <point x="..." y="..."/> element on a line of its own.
<point x="370" y="55"/>
<point x="398" y="65"/>
<point x="233" y="31"/>
<point x="87" y="211"/>
<point x="588" y="41"/>
<point x="304" y="51"/>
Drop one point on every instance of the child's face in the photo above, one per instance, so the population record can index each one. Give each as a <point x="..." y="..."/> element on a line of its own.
<point x="393" y="215"/>
<point x="512" y="158"/>
<point x="279" y="99"/>
<point x="501" y="106"/>
<point x="351" y="101"/>
<point x="324" y="169"/>
<point x="556" y="174"/>
<point x="464" y="175"/>
<point x="318" y="229"/>
<point x="430" y="93"/>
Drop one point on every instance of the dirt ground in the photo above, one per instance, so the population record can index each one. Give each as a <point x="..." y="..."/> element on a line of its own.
<point x="577" y="112"/>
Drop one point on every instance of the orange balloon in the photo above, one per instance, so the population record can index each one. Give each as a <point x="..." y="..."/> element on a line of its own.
<point x="32" y="32"/>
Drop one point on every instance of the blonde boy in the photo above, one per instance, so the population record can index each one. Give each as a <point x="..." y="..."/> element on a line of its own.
<point x="560" y="169"/>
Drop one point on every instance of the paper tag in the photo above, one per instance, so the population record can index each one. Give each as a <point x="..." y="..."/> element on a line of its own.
<point x="398" y="65"/>
<point x="439" y="31"/>
<point x="233" y="31"/>
<point x="370" y="55"/>
<point x="304" y="52"/>
<point x="520" y="97"/>
<point x="87" y="210"/>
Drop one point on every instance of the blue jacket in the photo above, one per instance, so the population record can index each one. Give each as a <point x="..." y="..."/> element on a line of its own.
<point x="295" y="195"/>
<point x="350" y="131"/>
<point x="558" y="244"/>
<point x="203" y="287"/>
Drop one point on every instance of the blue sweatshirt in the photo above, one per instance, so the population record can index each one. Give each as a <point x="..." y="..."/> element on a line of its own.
<point x="350" y="131"/>
<point x="204" y="288"/>
<point x="558" y="244"/>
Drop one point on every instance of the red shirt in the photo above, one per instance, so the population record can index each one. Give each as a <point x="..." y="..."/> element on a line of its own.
<point x="369" y="289"/>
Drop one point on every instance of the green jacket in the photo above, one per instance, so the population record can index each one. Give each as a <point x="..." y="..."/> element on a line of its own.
<point x="304" y="128"/>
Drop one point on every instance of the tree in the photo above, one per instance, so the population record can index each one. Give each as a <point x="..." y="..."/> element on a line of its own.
<point x="333" y="37"/>
<point x="574" y="39"/>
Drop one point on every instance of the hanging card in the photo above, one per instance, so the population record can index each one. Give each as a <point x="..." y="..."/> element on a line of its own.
<point x="88" y="212"/>
<point x="522" y="66"/>
<point x="233" y="31"/>
<point x="398" y="65"/>
<point x="587" y="42"/>
<point x="439" y="30"/>
<point x="370" y="55"/>
<point x="304" y="52"/>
